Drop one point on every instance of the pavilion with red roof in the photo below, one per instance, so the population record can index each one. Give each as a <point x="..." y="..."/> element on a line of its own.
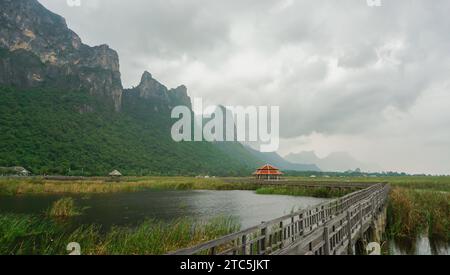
<point x="268" y="172"/>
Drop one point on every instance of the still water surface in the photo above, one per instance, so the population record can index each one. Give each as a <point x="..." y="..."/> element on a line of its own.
<point x="132" y="208"/>
<point x="421" y="245"/>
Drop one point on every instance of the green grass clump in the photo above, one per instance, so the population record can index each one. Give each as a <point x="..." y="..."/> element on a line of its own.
<point x="32" y="235"/>
<point x="412" y="212"/>
<point x="64" y="208"/>
<point x="154" y="238"/>
<point x="23" y="234"/>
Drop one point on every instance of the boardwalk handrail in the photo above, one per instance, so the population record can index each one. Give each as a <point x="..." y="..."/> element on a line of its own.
<point x="303" y="183"/>
<point x="274" y="236"/>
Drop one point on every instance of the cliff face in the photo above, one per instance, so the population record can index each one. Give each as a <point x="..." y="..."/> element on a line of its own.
<point x="179" y="96"/>
<point x="150" y="89"/>
<point x="37" y="48"/>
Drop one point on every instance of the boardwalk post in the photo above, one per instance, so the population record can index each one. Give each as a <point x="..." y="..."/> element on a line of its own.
<point x="361" y="222"/>
<point x="281" y="235"/>
<point x="262" y="246"/>
<point x="322" y="214"/>
<point x="327" y="241"/>
<point x="293" y="229"/>
<point x="269" y="247"/>
<point x="244" y="245"/>
<point x="349" y="233"/>
<point x="301" y="224"/>
<point x="374" y="205"/>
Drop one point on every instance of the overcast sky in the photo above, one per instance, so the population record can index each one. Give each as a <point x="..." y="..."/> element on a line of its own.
<point x="373" y="82"/>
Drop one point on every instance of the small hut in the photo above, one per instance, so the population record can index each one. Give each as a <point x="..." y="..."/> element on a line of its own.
<point x="268" y="172"/>
<point x="14" y="171"/>
<point x="21" y="171"/>
<point x="115" y="174"/>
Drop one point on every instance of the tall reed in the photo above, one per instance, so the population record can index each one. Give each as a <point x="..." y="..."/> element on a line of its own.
<point x="412" y="212"/>
<point x="32" y="235"/>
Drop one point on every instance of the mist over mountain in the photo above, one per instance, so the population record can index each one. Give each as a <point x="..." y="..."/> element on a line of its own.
<point x="283" y="164"/>
<point x="334" y="162"/>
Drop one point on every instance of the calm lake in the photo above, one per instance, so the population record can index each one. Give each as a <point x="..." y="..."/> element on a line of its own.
<point x="132" y="208"/>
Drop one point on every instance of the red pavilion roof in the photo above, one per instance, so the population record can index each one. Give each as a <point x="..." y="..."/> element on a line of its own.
<point x="268" y="170"/>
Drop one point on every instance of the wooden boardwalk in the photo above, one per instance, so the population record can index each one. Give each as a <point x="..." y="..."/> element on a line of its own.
<point x="331" y="228"/>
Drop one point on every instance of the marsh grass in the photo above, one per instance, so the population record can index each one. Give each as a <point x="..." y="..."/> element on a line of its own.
<point x="38" y="185"/>
<point x="413" y="212"/>
<point x="13" y="187"/>
<point x="23" y="234"/>
<point x="305" y="192"/>
<point x="64" y="208"/>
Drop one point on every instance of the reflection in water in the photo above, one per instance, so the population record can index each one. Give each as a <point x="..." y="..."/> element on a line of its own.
<point x="132" y="208"/>
<point x="422" y="245"/>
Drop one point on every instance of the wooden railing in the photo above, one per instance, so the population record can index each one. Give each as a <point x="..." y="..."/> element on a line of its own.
<point x="302" y="183"/>
<point x="328" y="228"/>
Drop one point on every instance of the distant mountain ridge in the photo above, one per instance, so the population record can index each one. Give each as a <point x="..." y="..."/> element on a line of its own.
<point x="283" y="164"/>
<point x="334" y="162"/>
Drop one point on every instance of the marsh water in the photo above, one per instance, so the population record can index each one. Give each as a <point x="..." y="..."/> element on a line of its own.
<point x="421" y="245"/>
<point x="249" y="208"/>
<point x="128" y="209"/>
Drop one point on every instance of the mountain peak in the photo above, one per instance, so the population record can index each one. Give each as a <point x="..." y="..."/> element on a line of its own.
<point x="146" y="76"/>
<point x="181" y="89"/>
<point x="336" y="161"/>
<point x="179" y="96"/>
<point x="150" y="88"/>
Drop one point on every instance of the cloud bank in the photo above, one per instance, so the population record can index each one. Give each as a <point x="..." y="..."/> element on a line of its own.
<point x="347" y="77"/>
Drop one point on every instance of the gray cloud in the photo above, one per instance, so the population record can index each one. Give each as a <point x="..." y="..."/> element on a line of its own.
<point x="339" y="68"/>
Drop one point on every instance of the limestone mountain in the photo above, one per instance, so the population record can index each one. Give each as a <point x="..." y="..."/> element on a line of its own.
<point x="150" y="88"/>
<point x="263" y="158"/>
<point x="39" y="50"/>
<point x="63" y="109"/>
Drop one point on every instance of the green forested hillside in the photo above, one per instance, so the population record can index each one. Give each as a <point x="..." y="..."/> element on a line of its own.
<point x="51" y="131"/>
